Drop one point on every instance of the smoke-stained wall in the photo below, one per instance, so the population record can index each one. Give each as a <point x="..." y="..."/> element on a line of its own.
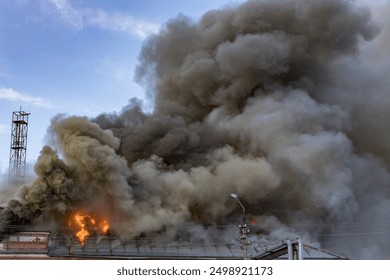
<point x="273" y="100"/>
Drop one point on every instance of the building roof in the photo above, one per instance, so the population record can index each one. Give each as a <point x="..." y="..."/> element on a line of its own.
<point x="281" y="252"/>
<point x="140" y="248"/>
<point x="108" y="247"/>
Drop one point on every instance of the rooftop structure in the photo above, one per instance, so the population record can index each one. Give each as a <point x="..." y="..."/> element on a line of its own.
<point x="296" y="250"/>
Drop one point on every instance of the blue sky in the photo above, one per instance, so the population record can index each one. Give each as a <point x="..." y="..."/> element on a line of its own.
<point x="75" y="57"/>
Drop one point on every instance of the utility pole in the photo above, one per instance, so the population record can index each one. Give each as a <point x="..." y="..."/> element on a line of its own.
<point x="243" y="229"/>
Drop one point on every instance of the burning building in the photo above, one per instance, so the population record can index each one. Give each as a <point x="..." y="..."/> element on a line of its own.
<point x="272" y="100"/>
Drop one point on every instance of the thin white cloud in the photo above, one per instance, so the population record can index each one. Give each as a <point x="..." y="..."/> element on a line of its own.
<point x="119" y="22"/>
<point x="68" y="14"/>
<point x="79" y="18"/>
<point x="12" y="95"/>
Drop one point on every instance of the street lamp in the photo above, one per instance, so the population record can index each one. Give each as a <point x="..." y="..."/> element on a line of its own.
<point x="243" y="229"/>
<point x="235" y="196"/>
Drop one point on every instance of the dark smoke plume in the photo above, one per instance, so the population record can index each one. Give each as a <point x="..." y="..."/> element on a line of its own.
<point x="273" y="100"/>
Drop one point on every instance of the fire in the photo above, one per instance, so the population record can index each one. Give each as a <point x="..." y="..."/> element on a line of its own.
<point x="86" y="223"/>
<point x="83" y="233"/>
<point x="104" y="226"/>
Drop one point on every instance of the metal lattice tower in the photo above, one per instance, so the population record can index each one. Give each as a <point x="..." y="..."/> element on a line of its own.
<point x="17" y="161"/>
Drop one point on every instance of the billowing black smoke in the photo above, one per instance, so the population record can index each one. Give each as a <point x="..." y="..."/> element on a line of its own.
<point x="272" y="100"/>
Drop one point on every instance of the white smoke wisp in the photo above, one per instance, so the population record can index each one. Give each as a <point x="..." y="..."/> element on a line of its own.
<point x="270" y="100"/>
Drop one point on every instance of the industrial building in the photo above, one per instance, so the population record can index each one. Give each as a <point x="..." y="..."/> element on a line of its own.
<point x="41" y="245"/>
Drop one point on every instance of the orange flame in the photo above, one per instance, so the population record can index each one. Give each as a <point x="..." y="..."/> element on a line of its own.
<point x="104" y="226"/>
<point x="83" y="233"/>
<point x="253" y="221"/>
<point x="85" y="222"/>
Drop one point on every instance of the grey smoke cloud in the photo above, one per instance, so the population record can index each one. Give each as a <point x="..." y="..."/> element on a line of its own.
<point x="263" y="100"/>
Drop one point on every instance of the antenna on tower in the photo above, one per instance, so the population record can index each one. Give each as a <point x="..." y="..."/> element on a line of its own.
<point x="18" y="150"/>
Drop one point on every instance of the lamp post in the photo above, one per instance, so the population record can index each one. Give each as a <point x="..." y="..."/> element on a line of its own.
<point x="243" y="229"/>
